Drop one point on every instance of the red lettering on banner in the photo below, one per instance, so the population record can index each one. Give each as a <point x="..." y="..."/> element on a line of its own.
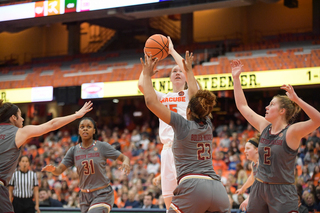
<point x="79" y="157"/>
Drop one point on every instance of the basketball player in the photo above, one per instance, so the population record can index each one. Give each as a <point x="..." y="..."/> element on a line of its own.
<point x="89" y="157"/>
<point x="199" y="187"/>
<point x="274" y="190"/>
<point x="177" y="101"/>
<point x="251" y="151"/>
<point x="13" y="135"/>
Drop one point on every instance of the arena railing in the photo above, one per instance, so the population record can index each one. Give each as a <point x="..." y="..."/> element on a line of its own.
<point x="121" y="210"/>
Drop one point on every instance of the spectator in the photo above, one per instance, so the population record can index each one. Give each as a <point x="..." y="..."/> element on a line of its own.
<point x="239" y="126"/>
<point x="131" y="202"/>
<point x="225" y="141"/>
<point x="302" y="208"/>
<point x="233" y="149"/>
<point x="309" y="202"/>
<point x="46" y="201"/>
<point x="161" y="203"/>
<point x="313" y="138"/>
<point x="249" y="131"/>
<point x="234" y="161"/>
<point x="316" y="175"/>
<point x="305" y="174"/>
<point x="144" y="142"/>
<point x="312" y="164"/>
<point x="242" y="177"/>
<point x="147" y="201"/>
<point x="153" y="166"/>
<point x="72" y="203"/>
<point x="135" y="137"/>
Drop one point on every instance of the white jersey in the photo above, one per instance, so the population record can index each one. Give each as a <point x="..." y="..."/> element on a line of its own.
<point x="176" y="102"/>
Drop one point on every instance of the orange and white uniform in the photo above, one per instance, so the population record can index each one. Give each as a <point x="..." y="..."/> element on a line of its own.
<point x="176" y="102"/>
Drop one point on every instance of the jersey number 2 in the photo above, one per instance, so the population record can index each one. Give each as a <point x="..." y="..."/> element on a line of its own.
<point x="267" y="155"/>
<point x="88" y="166"/>
<point x="202" y="148"/>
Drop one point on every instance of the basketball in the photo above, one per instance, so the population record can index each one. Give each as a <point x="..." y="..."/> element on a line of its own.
<point x="157" y="45"/>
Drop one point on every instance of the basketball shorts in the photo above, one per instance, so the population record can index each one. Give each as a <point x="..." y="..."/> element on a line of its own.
<point x="5" y="204"/>
<point x="272" y="198"/>
<point x="200" y="196"/>
<point x="97" y="201"/>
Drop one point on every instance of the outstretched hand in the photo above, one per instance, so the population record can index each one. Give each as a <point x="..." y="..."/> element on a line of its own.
<point x="187" y="63"/>
<point x="290" y="92"/>
<point x="148" y="65"/>
<point x="171" y="48"/>
<point x="244" y="205"/>
<point x="87" y="107"/>
<point x="48" y="168"/>
<point x="125" y="168"/>
<point x="236" y="66"/>
<point x="240" y="191"/>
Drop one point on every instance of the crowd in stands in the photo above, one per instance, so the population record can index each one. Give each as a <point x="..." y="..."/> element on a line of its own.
<point x="143" y="147"/>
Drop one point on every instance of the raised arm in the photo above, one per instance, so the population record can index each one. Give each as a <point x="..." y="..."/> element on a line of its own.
<point x="55" y="170"/>
<point x="192" y="83"/>
<point x="140" y="81"/>
<point x="150" y="96"/>
<point x="23" y="134"/>
<point x="257" y="121"/>
<point x="301" y="129"/>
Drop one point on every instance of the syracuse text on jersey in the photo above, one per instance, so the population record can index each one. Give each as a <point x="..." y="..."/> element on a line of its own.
<point x="173" y="99"/>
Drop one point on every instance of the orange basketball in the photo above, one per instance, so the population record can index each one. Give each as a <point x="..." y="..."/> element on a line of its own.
<point x="157" y="45"/>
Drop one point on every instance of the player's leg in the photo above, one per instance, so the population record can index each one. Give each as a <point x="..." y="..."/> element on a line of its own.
<point x="84" y="202"/>
<point x="102" y="200"/>
<point x="257" y="202"/>
<point x="168" y="176"/>
<point x="282" y="198"/>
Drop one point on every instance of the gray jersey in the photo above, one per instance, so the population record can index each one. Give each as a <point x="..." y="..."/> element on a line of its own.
<point x="91" y="163"/>
<point x="276" y="159"/>
<point x="192" y="147"/>
<point x="254" y="169"/>
<point x="9" y="152"/>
